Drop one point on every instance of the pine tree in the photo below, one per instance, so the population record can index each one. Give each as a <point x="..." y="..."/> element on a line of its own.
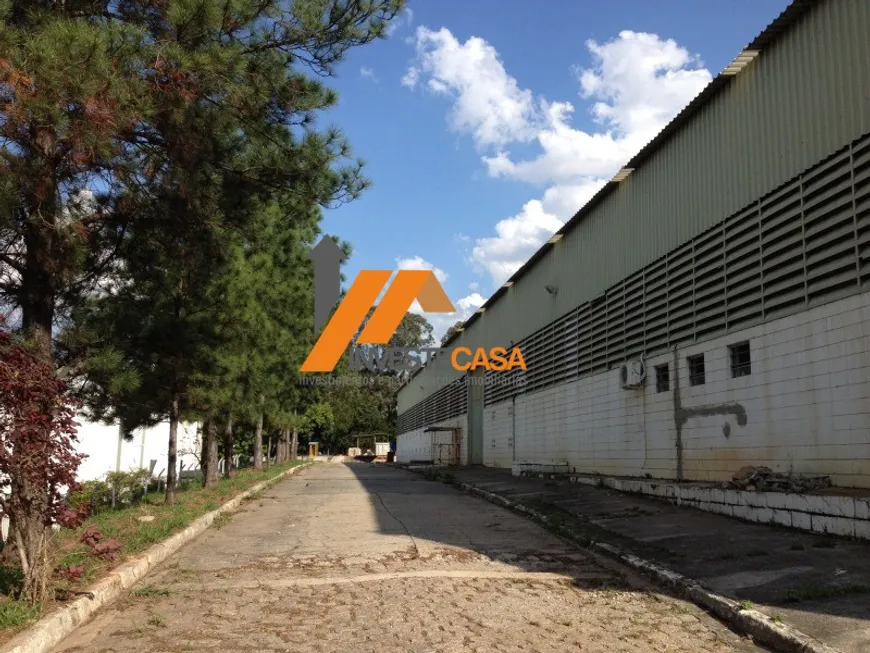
<point x="228" y="135"/>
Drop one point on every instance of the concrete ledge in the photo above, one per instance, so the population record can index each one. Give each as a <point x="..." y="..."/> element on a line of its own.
<point x="49" y="631"/>
<point x="778" y="636"/>
<point x="816" y="513"/>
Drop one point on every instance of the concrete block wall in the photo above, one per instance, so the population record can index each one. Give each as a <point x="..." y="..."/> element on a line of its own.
<point x="418" y="445"/>
<point x="806" y="405"/>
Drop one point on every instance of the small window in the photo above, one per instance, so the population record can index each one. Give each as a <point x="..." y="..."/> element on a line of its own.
<point x="696" y="370"/>
<point x="663" y="379"/>
<point x="741" y="362"/>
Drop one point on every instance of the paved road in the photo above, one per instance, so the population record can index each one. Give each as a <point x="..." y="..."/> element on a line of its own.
<point x="357" y="558"/>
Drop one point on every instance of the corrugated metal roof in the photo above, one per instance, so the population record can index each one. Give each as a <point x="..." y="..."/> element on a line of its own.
<point x="782" y="23"/>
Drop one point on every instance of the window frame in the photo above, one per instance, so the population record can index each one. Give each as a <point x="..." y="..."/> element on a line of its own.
<point x="739" y="368"/>
<point x="692" y="364"/>
<point x="657" y="370"/>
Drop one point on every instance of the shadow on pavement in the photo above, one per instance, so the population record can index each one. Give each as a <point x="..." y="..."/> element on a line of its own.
<point x="818" y="584"/>
<point x="434" y="513"/>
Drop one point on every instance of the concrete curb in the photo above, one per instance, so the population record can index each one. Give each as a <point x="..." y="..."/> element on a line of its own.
<point x="49" y="631"/>
<point x="759" y="626"/>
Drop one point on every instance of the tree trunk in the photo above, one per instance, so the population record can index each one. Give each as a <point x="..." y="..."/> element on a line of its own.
<point x="286" y="445"/>
<point x="229" y="446"/>
<point x="294" y="445"/>
<point x="258" y="444"/>
<point x="172" y="458"/>
<point x="203" y="447"/>
<point x="39" y="278"/>
<point x="281" y="454"/>
<point x="210" y="477"/>
<point x="268" y="450"/>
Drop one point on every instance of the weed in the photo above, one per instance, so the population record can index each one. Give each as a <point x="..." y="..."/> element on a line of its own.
<point x="155" y="620"/>
<point x="777" y="619"/>
<point x="222" y="520"/>
<point x="11" y="580"/>
<point x="746" y="605"/>
<point x="754" y="553"/>
<point x="14" y="614"/>
<point x="796" y="546"/>
<point x="151" y="590"/>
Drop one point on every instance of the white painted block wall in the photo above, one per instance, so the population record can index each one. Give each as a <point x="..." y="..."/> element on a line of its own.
<point x="417" y="445"/>
<point x="100" y="443"/>
<point x="807" y="402"/>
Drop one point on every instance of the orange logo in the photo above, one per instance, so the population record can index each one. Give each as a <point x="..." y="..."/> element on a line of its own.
<point x="406" y="287"/>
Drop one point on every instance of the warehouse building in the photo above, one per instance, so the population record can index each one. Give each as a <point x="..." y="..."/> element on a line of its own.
<point x="706" y="310"/>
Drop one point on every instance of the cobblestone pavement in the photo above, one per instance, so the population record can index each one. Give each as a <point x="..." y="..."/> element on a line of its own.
<point x="358" y="557"/>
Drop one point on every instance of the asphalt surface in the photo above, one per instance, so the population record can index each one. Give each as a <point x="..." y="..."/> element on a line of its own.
<point x="360" y="557"/>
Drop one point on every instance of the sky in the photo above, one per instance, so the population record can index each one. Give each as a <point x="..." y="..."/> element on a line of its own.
<point x="485" y="125"/>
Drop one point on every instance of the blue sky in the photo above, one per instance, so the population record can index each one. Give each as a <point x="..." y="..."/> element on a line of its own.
<point x="485" y="125"/>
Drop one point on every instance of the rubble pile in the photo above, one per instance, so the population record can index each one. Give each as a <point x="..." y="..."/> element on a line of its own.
<point x="764" y="479"/>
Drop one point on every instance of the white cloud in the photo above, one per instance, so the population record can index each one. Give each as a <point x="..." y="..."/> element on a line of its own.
<point x="471" y="303"/>
<point x="487" y="102"/>
<point x="636" y="84"/>
<point x="516" y="239"/>
<point x="368" y="73"/>
<point x="474" y="286"/>
<point x="411" y="77"/>
<point x="465" y="307"/>
<point x="440" y="322"/>
<point x="419" y="263"/>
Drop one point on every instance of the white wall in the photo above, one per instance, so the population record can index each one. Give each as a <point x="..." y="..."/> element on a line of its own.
<point x="417" y="445"/>
<point x="807" y="403"/>
<point x="100" y="443"/>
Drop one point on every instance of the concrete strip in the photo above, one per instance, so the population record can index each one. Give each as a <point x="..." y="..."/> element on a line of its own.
<point x="369" y="578"/>
<point x="49" y="631"/>
<point x="778" y="636"/>
<point x="743" y="579"/>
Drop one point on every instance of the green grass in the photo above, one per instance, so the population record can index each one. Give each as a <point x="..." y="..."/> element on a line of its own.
<point x="192" y="501"/>
<point x="746" y="605"/>
<point x="440" y="476"/>
<point x="150" y="590"/>
<point x="14" y="615"/>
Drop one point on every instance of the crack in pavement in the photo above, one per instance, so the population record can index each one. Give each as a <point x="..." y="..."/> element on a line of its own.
<point x="407" y="532"/>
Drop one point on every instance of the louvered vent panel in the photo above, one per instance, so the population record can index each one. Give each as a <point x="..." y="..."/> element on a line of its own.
<point x="806" y="243"/>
